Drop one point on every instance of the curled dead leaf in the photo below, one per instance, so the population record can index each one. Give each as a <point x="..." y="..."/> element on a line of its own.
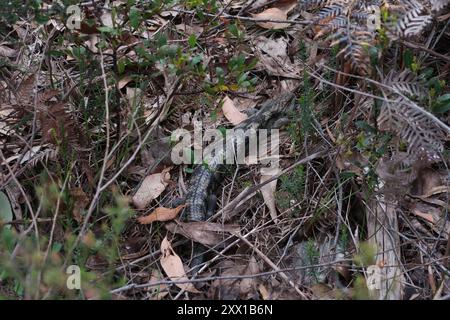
<point x="161" y="214"/>
<point x="268" y="192"/>
<point x="173" y="267"/>
<point x="152" y="186"/>
<point x="272" y="14"/>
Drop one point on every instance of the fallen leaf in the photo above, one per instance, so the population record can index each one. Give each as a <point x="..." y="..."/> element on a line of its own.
<point x="161" y="214"/>
<point x="160" y="291"/>
<point x="231" y="112"/>
<point x="227" y="289"/>
<point x="272" y="14"/>
<point x="152" y="186"/>
<point x="6" y="214"/>
<point x="188" y="29"/>
<point x="231" y="289"/>
<point x="427" y="216"/>
<point x="173" y="267"/>
<point x="273" y="57"/>
<point x="206" y="233"/>
<point x="134" y="96"/>
<point x="263" y="291"/>
<point x="249" y="284"/>
<point x="123" y="82"/>
<point x="81" y="200"/>
<point x="268" y="192"/>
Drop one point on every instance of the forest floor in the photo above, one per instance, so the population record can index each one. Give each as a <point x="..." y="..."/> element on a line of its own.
<point x="93" y="95"/>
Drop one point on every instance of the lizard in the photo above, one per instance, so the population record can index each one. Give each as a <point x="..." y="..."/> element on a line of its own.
<point x="200" y="199"/>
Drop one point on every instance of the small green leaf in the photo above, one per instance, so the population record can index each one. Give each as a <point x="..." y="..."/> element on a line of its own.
<point x="192" y="40"/>
<point x="105" y="29"/>
<point x="408" y="57"/>
<point x="443" y="98"/>
<point x="441" y="107"/>
<point x="135" y="18"/>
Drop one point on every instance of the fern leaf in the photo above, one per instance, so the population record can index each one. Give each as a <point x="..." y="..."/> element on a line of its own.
<point x="404" y="117"/>
<point x="331" y="11"/>
<point x="406" y="82"/>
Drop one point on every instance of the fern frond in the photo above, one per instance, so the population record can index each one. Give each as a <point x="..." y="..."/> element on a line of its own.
<point x="355" y="50"/>
<point x="401" y="115"/>
<point x="413" y="23"/>
<point x="406" y="82"/>
<point x="331" y="11"/>
<point x="413" y="20"/>
<point x="415" y="128"/>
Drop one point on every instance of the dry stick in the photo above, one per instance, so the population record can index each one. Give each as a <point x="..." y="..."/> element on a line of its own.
<point x="273" y="266"/>
<point x="26" y="221"/>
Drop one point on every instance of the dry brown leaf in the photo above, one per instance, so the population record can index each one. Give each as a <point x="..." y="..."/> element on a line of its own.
<point x="268" y="192"/>
<point x="273" y="57"/>
<point x="322" y="291"/>
<point x="272" y="14"/>
<point x="206" y="233"/>
<point x="24" y="93"/>
<point x="231" y="289"/>
<point x="160" y="291"/>
<point x="188" y="29"/>
<point x="426" y="216"/>
<point x="7" y="52"/>
<point x="173" y="267"/>
<point x="161" y="214"/>
<point x="152" y="186"/>
<point x="231" y="112"/>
